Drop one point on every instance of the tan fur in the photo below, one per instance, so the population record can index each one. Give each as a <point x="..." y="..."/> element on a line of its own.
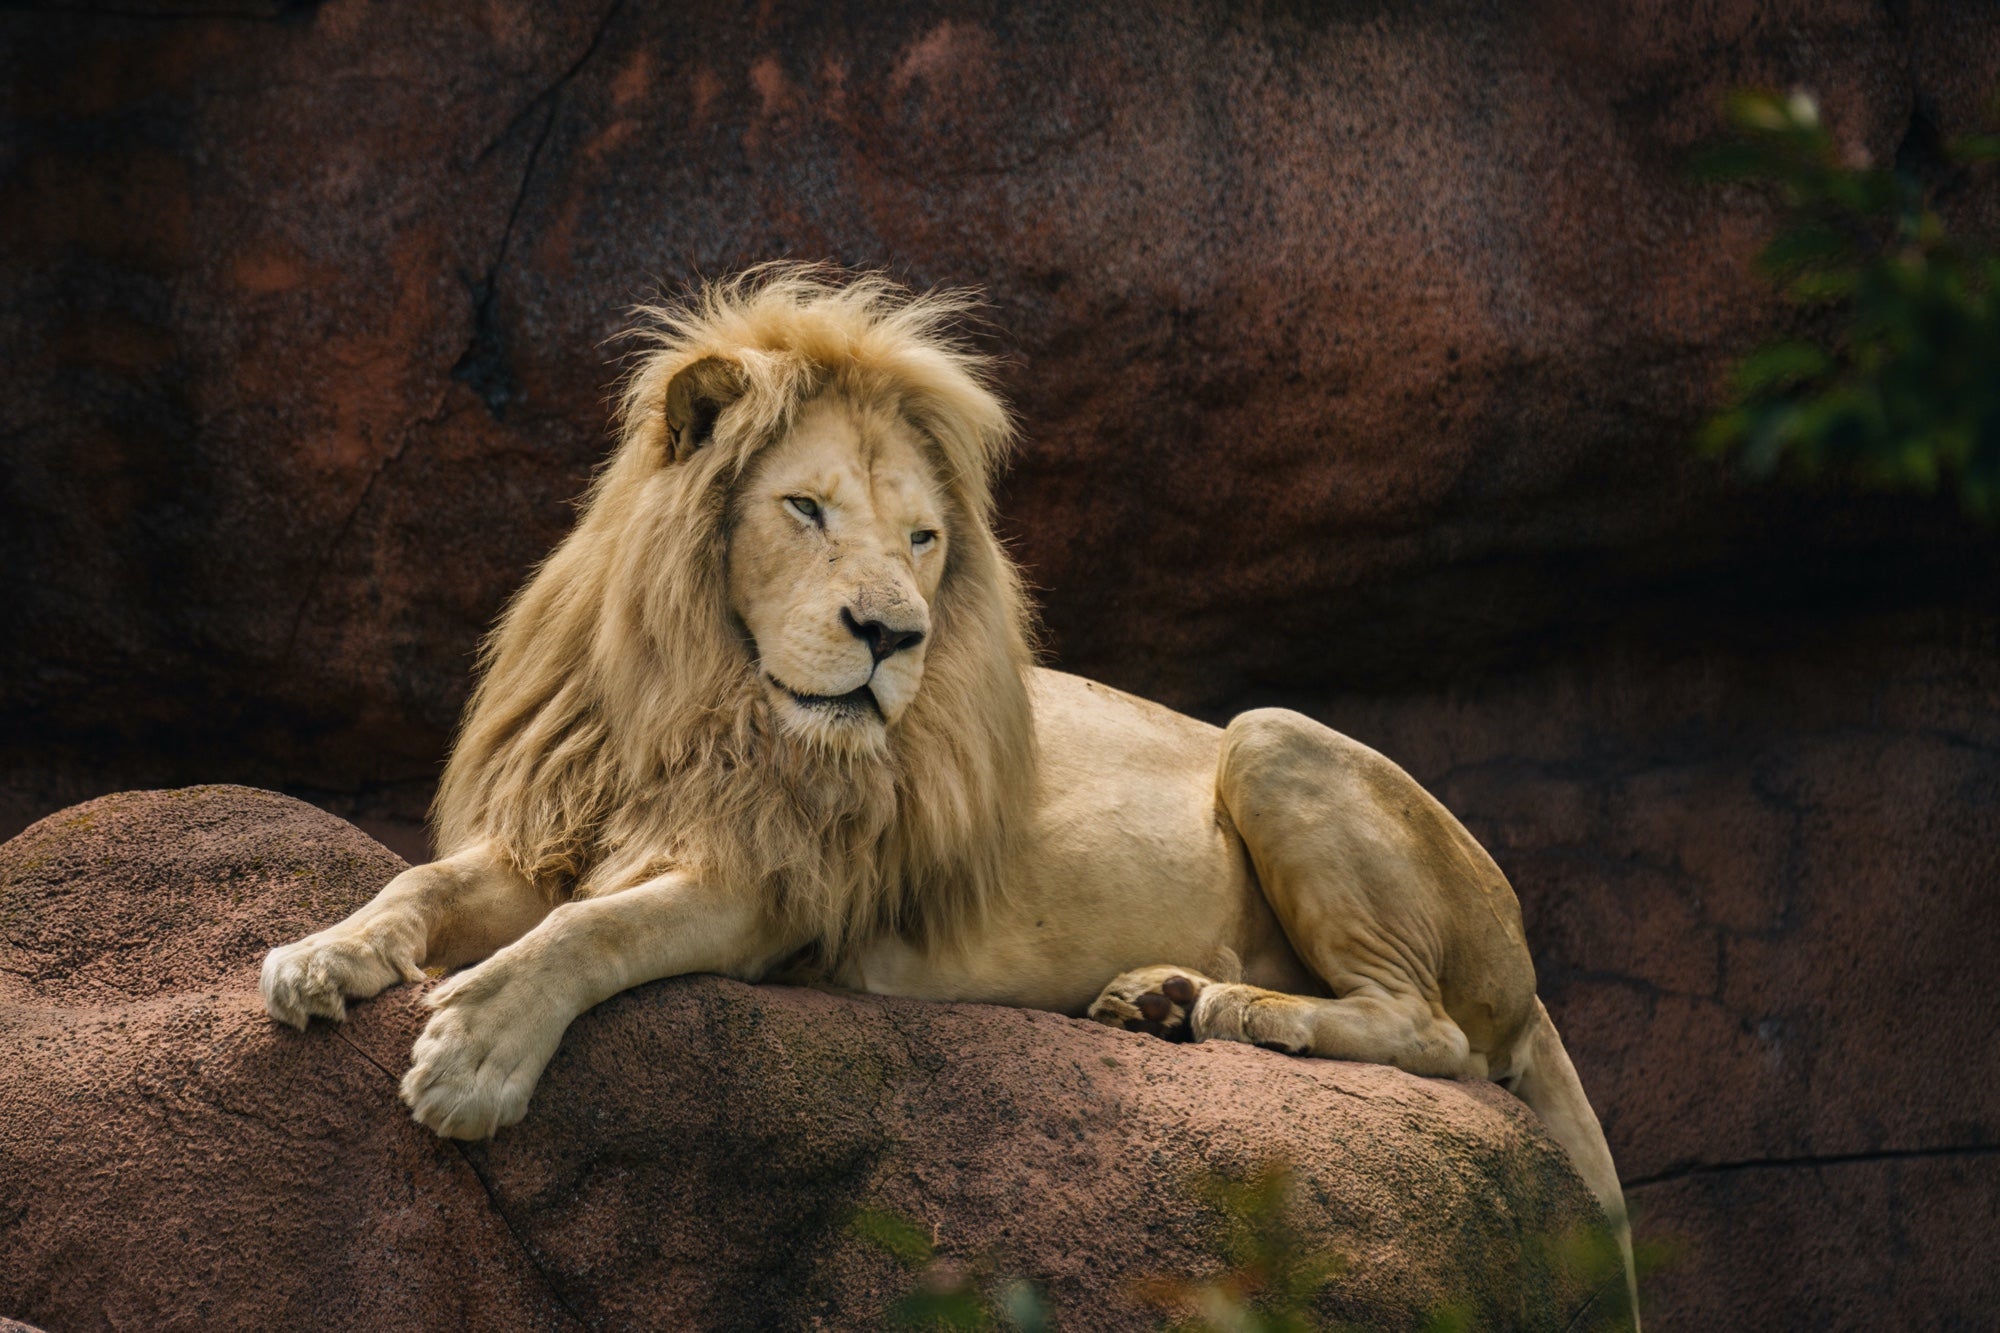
<point x="769" y="711"/>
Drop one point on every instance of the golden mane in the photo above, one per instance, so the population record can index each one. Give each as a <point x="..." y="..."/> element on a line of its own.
<point x="619" y="730"/>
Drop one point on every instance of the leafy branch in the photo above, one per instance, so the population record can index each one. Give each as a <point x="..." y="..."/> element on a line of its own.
<point x="1274" y="1277"/>
<point x="1902" y="391"/>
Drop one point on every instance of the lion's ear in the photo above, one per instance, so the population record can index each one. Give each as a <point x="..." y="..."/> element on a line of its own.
<point x="695" y="398"/>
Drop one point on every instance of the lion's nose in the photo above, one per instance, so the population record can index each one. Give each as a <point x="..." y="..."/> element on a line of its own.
<point x="880" y="638"/>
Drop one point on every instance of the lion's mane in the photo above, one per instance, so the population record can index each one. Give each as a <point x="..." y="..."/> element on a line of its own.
<point x="619" y="730"/>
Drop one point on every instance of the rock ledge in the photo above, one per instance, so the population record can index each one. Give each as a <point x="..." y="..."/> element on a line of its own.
<point x="170" y="1158"/>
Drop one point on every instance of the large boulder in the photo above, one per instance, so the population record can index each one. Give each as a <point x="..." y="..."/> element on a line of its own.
<point x="170" y="1158"/>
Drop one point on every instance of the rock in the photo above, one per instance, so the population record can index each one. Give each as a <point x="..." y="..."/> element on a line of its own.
<point x="171" y="1158"/>
<point x="167" y="1159"/>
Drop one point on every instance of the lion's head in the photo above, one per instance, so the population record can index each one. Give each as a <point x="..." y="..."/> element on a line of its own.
<point x="837" y="547"/>
<point x="782" y="645"/>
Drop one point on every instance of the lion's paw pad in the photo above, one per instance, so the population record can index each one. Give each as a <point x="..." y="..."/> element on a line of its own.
<point x="1158" y="1001"/>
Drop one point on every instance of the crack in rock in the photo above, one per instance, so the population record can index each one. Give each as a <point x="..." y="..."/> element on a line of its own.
<point x="492" y="1199"/>
<point x="486" y="365"/>
<point x="1812" y="1161"/>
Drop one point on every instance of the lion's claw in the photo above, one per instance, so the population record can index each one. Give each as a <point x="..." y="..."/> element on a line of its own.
<point x="318" y="975"/>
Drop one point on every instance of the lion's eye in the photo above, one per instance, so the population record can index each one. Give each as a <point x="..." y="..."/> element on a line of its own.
<point x="922" y="537"/>
<point x="804" y="506"/>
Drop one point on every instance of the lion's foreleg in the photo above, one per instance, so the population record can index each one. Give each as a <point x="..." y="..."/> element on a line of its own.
<point x="442" y="914"/>
<point x="497" y="1025"/>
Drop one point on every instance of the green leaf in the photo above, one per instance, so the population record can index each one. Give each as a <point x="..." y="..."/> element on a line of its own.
<point x="1772" y="433"/>
<point x="1814" y="287"/>
<point x="1974" y="147"/>
<point x="897" y="1236"/>
<point x="1759" y="110"/>
<point x="1720" y="434"/>
<point x="1023" y="1306"/>
<point x="959" y="1308"/>
<point x="1813" y="245"/>
<point x="1778" y="366"/>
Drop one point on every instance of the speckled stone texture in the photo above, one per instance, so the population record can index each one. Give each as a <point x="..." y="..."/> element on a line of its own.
<point x="170" y="1158"/>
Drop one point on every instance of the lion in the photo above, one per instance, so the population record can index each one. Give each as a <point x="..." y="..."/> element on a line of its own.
<point x="771" y="710"/>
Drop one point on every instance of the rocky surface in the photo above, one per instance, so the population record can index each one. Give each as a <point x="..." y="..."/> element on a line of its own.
<point x="170" y="1158"/>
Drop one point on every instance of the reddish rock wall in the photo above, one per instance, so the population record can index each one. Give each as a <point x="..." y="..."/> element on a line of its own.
<point x="1389" y="323"/>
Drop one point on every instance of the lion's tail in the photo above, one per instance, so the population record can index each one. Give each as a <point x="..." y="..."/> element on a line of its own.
<point x="1547" y="1081"/>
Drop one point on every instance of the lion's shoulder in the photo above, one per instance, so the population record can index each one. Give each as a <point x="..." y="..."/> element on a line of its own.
<point x="1085" y="724"/>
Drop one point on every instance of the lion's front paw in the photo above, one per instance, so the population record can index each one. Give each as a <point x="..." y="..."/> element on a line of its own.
<point x="478" y="1059"/>
<point x="1155" y="1000"/>
<point x="320" y="973"/>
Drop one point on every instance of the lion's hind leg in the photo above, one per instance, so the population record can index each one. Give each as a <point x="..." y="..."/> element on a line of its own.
<point x="1180" y="1004"/>
<point x="1377" y="1028"/>
<point x="1377" y="886"/>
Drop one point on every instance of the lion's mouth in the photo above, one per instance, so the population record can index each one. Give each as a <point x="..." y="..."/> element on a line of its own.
<point x="857" y="702"/>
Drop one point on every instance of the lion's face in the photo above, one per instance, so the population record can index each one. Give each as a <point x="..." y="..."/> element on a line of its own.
<point x="836" y="549"/>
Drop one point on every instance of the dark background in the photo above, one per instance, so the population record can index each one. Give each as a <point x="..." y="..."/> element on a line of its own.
<point x="1357" y="349"/>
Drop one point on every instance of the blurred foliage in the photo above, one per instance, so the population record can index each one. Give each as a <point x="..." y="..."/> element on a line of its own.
<point x="1272" y="1281"/>
<point x="946" y="1295"/>
<point x="1901" y="390"/>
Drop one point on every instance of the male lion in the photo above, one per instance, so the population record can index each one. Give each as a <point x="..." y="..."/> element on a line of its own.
<point x="770" y="708"/>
